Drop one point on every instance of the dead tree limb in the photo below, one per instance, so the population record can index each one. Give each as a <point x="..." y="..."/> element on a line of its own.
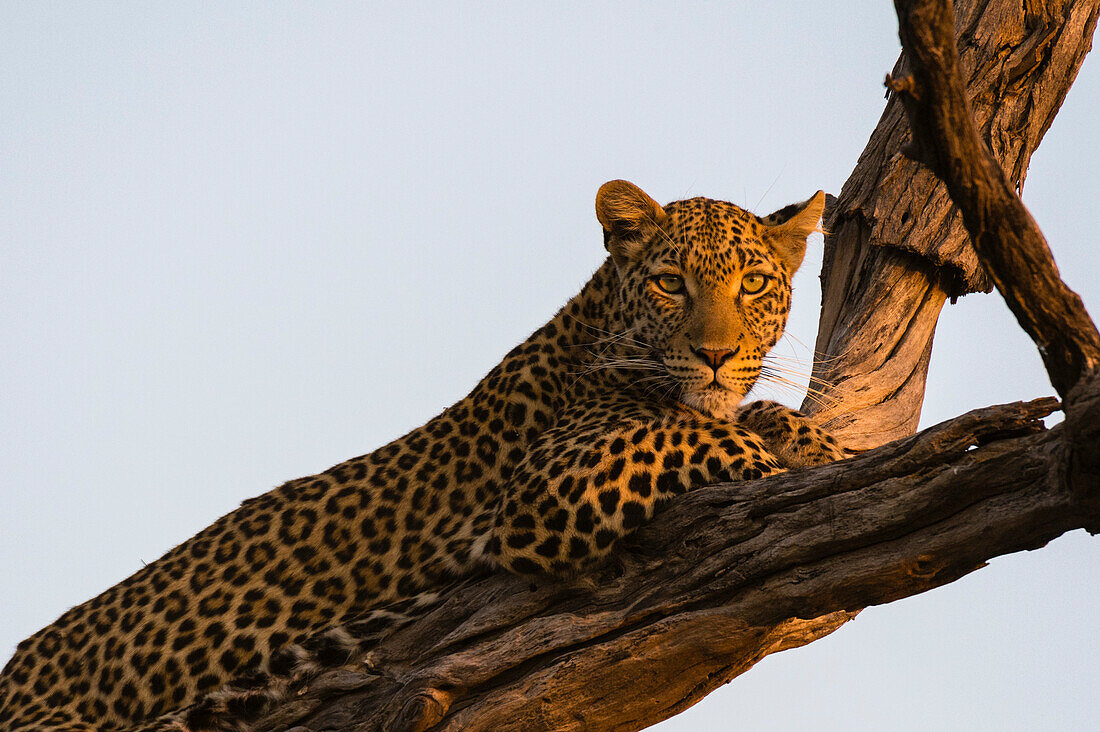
<point x="1006" y="238"/>
<point x="731" y="573"/>
<point x="897" y="247"/>
<point x="726" y="576"/>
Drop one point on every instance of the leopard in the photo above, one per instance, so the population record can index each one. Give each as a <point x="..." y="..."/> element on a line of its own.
<point x="630" y="395"/>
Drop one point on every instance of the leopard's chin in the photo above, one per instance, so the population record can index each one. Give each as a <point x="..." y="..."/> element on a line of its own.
<point x="713" y="400"/>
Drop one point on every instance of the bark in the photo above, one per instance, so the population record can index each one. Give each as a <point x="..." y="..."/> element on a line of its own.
<point x="731" y="573"/>
<point x="879" y="301"/>
<point x="725" y="576"/>
<point x="1005" y="236"/>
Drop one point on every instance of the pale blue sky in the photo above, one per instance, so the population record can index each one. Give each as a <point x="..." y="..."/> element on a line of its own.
<point x="243" y="242"/>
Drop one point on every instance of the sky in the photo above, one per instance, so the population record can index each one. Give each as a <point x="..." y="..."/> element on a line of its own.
<point x="240" y="243"/>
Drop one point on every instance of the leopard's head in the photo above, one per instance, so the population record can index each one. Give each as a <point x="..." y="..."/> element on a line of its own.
<point x="704" y="288"/>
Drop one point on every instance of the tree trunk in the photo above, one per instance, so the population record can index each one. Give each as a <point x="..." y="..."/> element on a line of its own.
<point x="730" y="573"/>
<point x="879" y="302"/>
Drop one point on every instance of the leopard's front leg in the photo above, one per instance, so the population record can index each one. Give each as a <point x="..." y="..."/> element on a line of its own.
<point x="794" y="438"/>
<point x="590" y="481"/>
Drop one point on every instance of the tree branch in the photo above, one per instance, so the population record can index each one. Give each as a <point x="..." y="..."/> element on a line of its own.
<point x="726" y="576"/>
<point x="898" y="248"/>
<point x="1006" y="238"/>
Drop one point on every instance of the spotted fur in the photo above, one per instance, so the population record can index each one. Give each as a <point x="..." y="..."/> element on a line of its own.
<point x="627" y="397"/>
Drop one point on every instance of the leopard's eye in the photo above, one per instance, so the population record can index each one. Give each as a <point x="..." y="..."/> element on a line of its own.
<point x="670" y="283"/>
<point x="754" y="283"/>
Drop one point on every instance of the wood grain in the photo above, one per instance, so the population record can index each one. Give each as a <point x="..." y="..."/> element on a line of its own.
<point x="898" y="248"/>
<point x="721" y="579"/>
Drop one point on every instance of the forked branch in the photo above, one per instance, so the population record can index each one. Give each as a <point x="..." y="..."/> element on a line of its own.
<point x="1006" y="238"/>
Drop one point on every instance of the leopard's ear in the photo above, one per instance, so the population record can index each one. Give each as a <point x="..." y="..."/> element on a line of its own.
<point x="787" y="228"/>
<point x="629" y="218"/>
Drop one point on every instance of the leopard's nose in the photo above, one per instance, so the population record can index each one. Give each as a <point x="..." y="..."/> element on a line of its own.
<point x="712" y="357"/>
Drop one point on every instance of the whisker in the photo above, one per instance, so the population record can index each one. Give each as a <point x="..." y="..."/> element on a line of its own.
<point x="816" y="396"/>
<point x="784" y="368"/>
<point x="778" y="373"/>
<point x="819" y="356"/>
<point x="818" y="386"/>
<point x="769" y="189"/>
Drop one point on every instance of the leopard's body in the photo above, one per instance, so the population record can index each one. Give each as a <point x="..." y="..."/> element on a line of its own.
<point x="628" y="396"/>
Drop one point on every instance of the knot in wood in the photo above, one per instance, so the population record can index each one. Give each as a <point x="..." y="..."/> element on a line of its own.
<point x="922" y="566"/>
<point x="903" y="85"/>
<point x="423" y="711"/>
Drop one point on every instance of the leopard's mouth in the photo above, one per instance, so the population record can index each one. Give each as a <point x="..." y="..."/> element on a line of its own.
<point x="714" y="399"/>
